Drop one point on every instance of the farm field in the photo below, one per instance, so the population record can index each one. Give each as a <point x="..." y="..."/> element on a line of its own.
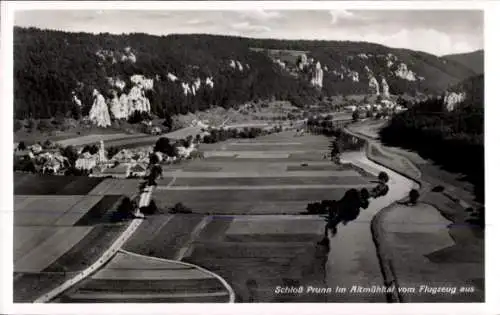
<point x="35" y="184"/>
<point x="246" y="250"/>
<point x="113" y="186"/>
<point x="60" y="228"/>
<point x="141" y="279"/>
<point x="248" y="223"/>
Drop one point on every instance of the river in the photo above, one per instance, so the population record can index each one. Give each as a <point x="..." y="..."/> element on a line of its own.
<point x="352" y="259"/>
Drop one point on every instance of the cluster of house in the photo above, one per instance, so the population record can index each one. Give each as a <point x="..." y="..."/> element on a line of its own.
<point x="378" y="107"/>
<point x="45" y="160"/>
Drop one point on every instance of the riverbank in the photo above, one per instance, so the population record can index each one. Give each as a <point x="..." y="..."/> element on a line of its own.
<point x="430" y="243"/>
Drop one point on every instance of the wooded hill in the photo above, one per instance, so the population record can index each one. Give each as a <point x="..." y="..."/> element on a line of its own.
<point x="50" y="65"/>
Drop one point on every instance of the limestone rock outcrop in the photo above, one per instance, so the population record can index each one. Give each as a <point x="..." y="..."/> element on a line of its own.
<point x="142" y="82"/>
<point x="317" y="76"/>
<point x="128" y="56"/>
<point x="452" y="99"/>
<point x="302" y="62"/>
<point x="239" y="65"/>
<point x="116" y="83"/>
<point x="373" y="86"/>
<point x="186" y="88"/>
<point x="209" y="81"/>
<point x="137" y="100"/>
<point x="76" y="100"/>
<point x="171" y="77"/>
<point x="99" y="113"/>
<point x="353" y="75"/>
<point x="404" y="73"/>
<point x="119" y="106"/>
<point x="385" y="88"/>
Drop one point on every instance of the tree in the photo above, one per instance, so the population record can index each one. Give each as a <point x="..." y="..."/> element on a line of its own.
<point x="355" y="115"/>
<point x="150" y="209"/>
<point x="168" y="122"/>
<point x="414" y="195"/>
<point x="125" y="210"/>
<point x="164" y="146"/>
<point x="70" y="153"/>
<point x="92" y="149"/>
<point x="383" y="177"/>
<point x="21" y="146"/>
<point x="336" y="150"/>
<point x="112" y="151"/>
<point x="153" y="159"/>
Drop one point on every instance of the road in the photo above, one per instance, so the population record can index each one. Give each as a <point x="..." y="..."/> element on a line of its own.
<point x="352" y="259"/>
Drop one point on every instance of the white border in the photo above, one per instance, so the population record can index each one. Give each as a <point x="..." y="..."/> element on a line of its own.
<point x="492" y="306"/>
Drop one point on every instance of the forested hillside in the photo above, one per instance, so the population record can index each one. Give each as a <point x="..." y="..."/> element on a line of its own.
<point x="454" y="139"/>
<point x="473" y="60"/>
<point x="56" y="72"/>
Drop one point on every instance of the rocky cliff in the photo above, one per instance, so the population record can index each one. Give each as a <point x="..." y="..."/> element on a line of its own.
<point x="373" y="86"/>
<point x="317" y="76"/>
<point x="452" y="99"/>
<point x="385" y="88"/>
<point x="99" y="113"/>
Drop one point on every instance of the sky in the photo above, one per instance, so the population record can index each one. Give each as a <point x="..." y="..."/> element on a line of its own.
<point x="438" y="32"/>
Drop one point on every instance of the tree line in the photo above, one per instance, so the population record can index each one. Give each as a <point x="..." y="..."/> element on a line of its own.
<point x="453" y="139"/>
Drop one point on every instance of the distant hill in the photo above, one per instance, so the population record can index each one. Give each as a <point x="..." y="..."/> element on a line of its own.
<point x="59" y="73"/>
<point x="473" y="60"/>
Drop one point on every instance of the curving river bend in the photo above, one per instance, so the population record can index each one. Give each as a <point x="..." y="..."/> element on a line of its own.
<point x="352" y="259"/>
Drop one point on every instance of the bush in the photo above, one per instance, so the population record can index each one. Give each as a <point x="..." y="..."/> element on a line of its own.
<point x="383" y="177"/>
<point x="150" y="209"/>
<point x="164" y="146"/>
<point x="180" y="208"/>
<point x="168" y="122"/>
<point x="355" y="115"/>
<point x="414" y="195"/>
<point x="21" y="146"/>
<point x="125" y="210"/>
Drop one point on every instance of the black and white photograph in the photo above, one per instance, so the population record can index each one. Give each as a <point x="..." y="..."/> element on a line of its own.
<point x="248" y="155"/>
